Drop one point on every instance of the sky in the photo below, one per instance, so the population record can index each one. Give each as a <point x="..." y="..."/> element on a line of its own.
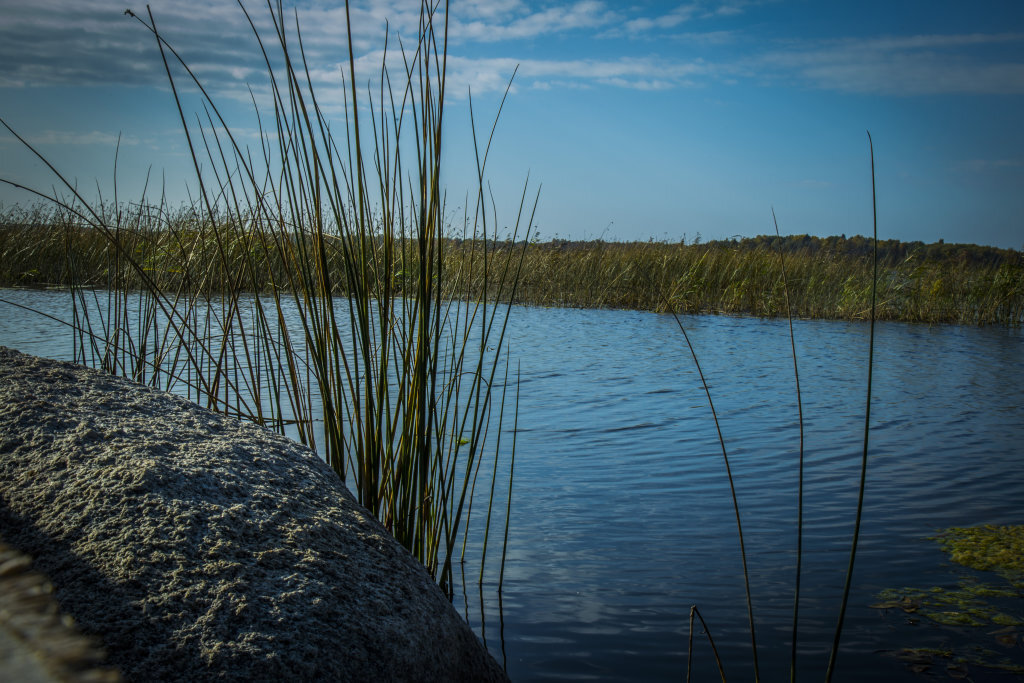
<point x="637" y="119"/>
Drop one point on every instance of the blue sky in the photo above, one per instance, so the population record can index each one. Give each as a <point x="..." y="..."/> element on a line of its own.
<point x="642" y="119"/>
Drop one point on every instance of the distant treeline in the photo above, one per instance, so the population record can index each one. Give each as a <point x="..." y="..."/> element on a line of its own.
<point x="828" y="277"/>
<point x="890" y="252"/>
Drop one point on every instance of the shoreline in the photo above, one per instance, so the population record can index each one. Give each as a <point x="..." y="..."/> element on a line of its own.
<point x="580" y="307"/>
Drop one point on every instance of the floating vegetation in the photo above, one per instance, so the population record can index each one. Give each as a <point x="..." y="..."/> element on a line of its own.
<point x="968" y="604"/>
<point x="990" y="548"/>
<point x="974" y="603"/>
<point x="922" y="659"/>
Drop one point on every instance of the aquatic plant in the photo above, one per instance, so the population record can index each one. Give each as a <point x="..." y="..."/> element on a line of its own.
<point x="401" y="370"/>
<point x="984" y="609"/>
<point x="988" y="548"/>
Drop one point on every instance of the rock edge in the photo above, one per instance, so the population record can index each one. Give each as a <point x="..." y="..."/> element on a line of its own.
<point x="201" y="547"/>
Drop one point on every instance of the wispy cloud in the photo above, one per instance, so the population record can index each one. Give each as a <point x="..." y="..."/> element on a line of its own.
<point x="91" y="42"/>
<point x="729" y="10"/>
<point x="640" y="74"/>
<point x="517" y="23"/>
<point x="899" y="65"/>
<point x="665" y="21"/>
<point x="989" y="165"/>
<point x="706" y="38"/>
<point x="65" y="137"/>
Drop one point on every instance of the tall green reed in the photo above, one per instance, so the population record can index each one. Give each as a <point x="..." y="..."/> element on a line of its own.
<point x="794" y="636"/>
<point x="858" y="515"/>
<point x="309" y="280"/>
<point x="834" y="653"/>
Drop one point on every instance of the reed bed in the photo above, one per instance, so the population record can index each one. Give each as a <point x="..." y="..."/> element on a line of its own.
<point x="828" y="279"/>
<point x="309" y="282"/>
<point x="723" y="278"/>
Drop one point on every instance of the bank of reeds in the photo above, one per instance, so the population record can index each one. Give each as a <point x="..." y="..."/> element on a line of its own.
<point x="237" y="296"/>
<point x="720" y="278"/>
<point x="694" y="278"/>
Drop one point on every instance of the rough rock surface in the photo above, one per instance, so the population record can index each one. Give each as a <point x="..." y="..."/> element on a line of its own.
<point x="200" y="547"/>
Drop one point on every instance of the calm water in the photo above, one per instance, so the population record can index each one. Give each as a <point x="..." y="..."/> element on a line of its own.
<point x="622" y="517"/>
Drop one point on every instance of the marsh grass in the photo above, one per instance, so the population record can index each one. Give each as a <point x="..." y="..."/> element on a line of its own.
<point x="827" y="279"/>
<point x="733" y="279"/>
<point x="347" y="229"/>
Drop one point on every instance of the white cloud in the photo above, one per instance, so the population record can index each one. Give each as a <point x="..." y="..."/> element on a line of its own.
<point x="640" y="84"/>
<point x="512" y="25"/>
<point x="707" y="37"/>
<point x="91" y="42"/>
<point x="665" y="21"/>
<point x="484" y="75"/>
<point x="729" y="10"/>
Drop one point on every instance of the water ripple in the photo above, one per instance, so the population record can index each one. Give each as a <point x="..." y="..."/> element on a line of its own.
<point x="622" y="512"/>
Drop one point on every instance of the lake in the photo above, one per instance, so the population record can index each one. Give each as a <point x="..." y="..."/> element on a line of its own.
<point x="622" y="516"/>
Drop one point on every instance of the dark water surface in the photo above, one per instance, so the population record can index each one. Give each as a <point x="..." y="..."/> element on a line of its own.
<point x="622" y="517"/>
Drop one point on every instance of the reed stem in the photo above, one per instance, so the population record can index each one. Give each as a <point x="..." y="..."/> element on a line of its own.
<point x="834" y="653"/>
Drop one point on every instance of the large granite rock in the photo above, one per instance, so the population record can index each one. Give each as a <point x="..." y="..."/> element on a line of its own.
<point x="200" y="547"/>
